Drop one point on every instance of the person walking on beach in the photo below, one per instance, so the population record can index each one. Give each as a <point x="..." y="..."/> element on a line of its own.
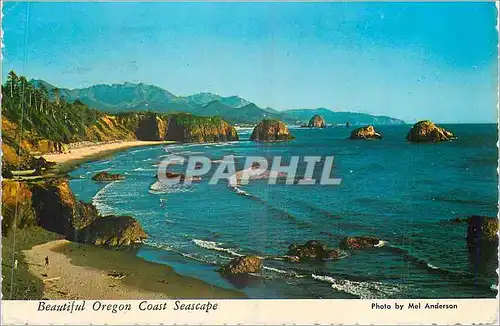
<point x="47" y="261"/>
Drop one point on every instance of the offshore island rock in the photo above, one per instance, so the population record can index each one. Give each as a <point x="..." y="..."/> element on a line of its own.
<point x="271" y="130"/>
<point x="367" y="132"/>
<point x="426" y="132"/>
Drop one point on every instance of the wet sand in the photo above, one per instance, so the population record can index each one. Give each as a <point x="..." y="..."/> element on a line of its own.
<point x="79" y="271"/>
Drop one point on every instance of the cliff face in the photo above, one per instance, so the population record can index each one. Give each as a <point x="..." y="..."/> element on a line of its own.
<point x="144" y="126"/>
<point x="16" y="194"/>
<point x="181" y="127"/>
<point x="53" y="206"/>
<point x="271" y="130"/>
<point x="18" y="151"/>
<point x="192" y="129"/>
<point x="59" y="211"/>
<point x="107" y="128"/>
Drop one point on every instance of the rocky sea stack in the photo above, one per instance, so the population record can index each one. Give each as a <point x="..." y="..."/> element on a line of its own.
<point x="427" y="132"/>
<point x="105" y="176"/>
<point x="244" y="264"/>
<point x="271" y="130"/>
<point x="317" y="121"/>
<point x="312" y="250"/>
<point x="367" y="132"/>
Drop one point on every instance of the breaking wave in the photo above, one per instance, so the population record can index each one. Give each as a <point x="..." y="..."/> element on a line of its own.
<point x="143" y="169"/>
<point x="161" y="188"/>
<point x="141" y="150"/>
<point x="184" y="254"/>
<point x="212" y="245"/>
<point x="363" y="290"/>
<point x="239" y="191"/>
<point x="99" y="200"/>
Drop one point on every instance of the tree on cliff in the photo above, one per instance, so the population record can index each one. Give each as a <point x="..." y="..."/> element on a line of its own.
<point x="31" y="107"/>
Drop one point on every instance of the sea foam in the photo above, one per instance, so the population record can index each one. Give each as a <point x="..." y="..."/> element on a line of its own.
<point x="212" y="245"/>
<point x="99" y="200"/>
<point x="364" y="290"/>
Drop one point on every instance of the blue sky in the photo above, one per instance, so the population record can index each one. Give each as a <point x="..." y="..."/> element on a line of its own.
<point x="412" y="61"/>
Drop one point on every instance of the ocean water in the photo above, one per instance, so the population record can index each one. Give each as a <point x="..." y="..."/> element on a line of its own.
<point x="403" y="193"/>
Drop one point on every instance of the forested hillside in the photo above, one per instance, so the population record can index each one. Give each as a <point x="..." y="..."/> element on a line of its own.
<point x="37" y="120"/>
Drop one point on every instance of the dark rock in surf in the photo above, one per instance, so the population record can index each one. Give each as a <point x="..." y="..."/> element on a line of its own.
<point x="311" y="250"/>
<point x="482" y="244"/>
<point x="181" y="176"/>
<point x="355" y="243"/>
<point x="482" y="231"/>
<point x="244" y="264"/>
<point x="105" y="176"/>
<point x="459" y="220"/>
<point x="334" y="254"/>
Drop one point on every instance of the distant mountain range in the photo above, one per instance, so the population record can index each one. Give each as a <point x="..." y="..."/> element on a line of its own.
<point x="332" y="117"/>
<point x="130" y="97"/>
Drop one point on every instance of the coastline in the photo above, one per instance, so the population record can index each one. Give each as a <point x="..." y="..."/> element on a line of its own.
<point x="80" y="271"/>
<point x="84" y="271"/>
<point x="76" y="156"/>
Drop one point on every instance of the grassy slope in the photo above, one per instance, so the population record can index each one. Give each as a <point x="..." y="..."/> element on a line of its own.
<point x="25" y="286"/>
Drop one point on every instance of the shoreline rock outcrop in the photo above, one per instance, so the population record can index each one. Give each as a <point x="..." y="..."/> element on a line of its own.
<point x="317" y="121"/>
<point x="113" y="231"/>
<point x="427" y="132"/>
<point x="58" y="210"/>
<point x="271" y="131"/>
<point x="53" y="206"/>
<point x="106" y="176"/>
<point x="312" y="250"/>
<point x="367" y="132"/>
<point x="243" y="265"/>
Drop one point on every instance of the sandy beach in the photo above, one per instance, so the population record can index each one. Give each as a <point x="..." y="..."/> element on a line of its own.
<point x="87" y="153"/>
<point x="79" y="271"/>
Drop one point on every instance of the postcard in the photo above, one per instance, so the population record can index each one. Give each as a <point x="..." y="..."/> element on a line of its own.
<point x="253" y="163"/>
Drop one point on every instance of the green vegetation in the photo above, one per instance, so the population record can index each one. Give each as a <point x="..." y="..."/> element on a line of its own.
<point x="192" y="121"/>
<point x="38" y="119"/>
<point x="48" y="115"/>
<point x="25" y="286"/>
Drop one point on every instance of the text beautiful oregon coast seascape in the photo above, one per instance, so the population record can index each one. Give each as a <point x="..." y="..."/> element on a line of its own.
<point x="205" y="306"/>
